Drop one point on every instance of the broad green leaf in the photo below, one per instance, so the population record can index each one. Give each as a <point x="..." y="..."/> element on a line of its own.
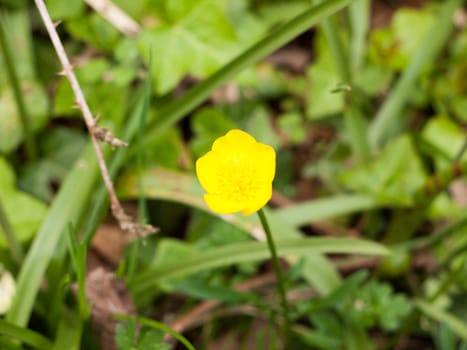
<point x="11" y="129"/>
<point x="208" y="124"/>
<point x="274" y="12"/>
<point x="95" y="30"/>
<point x="60" y="150"/>
<point x="373" y="79"/>
<point x="198" y="41"/>
<point x="153" y="339"/>
<point x="62" y="10"/>
<point x="394" y="46"/>
<point x="156" y="330"/>
<point x="392" y="178"/>
<point x="291" y="124"/>
<point x="16" y="25"/>
<point x="173" y="111"/>
<point x="19" y="38"/>
<point x="247" y="24"/>
<point x="445" y="137"/>
<point x="379" y="306"/>
<point x="125" y="335"/>
<point x="167" y="150"/>
<point x="105" y="96"/>
<point x="259" y="124"/>
<point x="135" y="8"/>
<point x="11" y="132"/>
<point x="24" y="212"/>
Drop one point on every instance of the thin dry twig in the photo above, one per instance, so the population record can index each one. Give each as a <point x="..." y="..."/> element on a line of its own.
<point x="126" y="222"/>
<point x="115" y="16"/>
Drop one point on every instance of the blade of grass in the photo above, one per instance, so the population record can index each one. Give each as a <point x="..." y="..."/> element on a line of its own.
<point x="140" y="156"/>
<point x="78" y="254"/>
<point x="430" y="47"/>
<point x="455" y="324"/>
<point x="67" y="207"/>
<point x="16" y="251"/>
<point x="70" y="330"/>
<point x="25" y="335"/>
<point x="337" y="49"/>
<point x="13" y="77"/>
<point x="359" y="20"/>
<point x="252" y="251"/>
<point x="357" y="130"/>
<point x="172" y="112"/>
<point x="325" y="208"/>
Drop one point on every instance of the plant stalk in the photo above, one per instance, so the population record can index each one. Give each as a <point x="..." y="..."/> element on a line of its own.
<point x="278" y="272"/>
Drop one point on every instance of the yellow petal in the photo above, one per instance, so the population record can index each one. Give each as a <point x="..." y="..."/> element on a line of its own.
<point x="207" y="168"/>
<point x="264" y="158"/>
<point x="234" y="141"/>
<point x="221" y="205"/>
<point x="261" y="199"/>
<point x="237" y="173"/>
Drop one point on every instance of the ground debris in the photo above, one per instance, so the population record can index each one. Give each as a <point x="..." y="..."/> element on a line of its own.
<point x="107" y="296"/>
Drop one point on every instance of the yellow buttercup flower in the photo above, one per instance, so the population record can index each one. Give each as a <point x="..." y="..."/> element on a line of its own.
<point x="237" y="174"/>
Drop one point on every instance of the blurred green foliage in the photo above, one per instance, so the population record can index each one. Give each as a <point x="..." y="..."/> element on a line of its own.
<point x="298" y="101"/>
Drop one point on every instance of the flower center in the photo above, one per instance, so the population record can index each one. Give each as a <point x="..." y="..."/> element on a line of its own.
<point x="238" y="181"/>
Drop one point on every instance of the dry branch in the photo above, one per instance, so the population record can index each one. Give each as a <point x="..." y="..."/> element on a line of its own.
<point x="125" y="221"/>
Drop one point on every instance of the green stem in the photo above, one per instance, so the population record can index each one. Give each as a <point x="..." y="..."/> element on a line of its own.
<point x="353" y="118"/>
<point x="15" y="247"/>
<point x="278" y="272"/>
<point x="356" y="127"/>
<point x="25" y="120"/>
<point x="172" y="112"/>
